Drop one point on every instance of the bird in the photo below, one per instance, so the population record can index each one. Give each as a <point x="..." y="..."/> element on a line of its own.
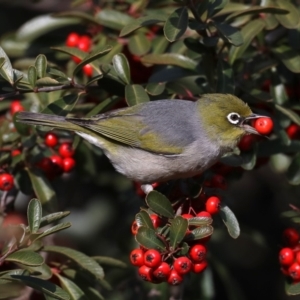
<point x="161" y="140"/>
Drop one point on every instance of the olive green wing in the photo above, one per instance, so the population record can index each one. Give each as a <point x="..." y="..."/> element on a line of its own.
<point x="128" y="129"/>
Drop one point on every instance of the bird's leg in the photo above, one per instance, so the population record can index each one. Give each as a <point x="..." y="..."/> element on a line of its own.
<point x="147" y="188"/>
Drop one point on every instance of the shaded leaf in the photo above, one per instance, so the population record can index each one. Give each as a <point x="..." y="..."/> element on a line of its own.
<point x="6" y="70"/>
<point x="53" y="229"/>
<point x="214" y="6"/>
<point x="200" y="233"/>
<point x="113" y="19"/>
<point x="148" y="239"/>
<point x="143" y="219"/>
<point x="160" y="204"/>
<point x="140" y="22"/>
<point x="290" y="20"/>
<point x="199" y="221"/>
<point x="48" y="219"/>
<point x="103" y="106"/>
<point x="109" y="261"/>
<point x="121" y="66"/>
<point x="249" y="31"/>
<point x="176" y="24"/>
<point x="77" y="15"/>
<point x="139" y="44"/>
<point x="289" y="113"/>
<point x="230" y="34"/>
<point x="62" y="106"/>
<point x="230" y="221"/>
<point x="154" y="88"/>
<point x="225" y="79"/>
<point x="170" y="59"/>
<point x="86" y="263"/>
<point x="32" y="75"/>
<point x="134" y="94"/>
<point x="289" y="57"/>
<point x="41" y="65"/>
<point x="178" y="229"/>
<point x="34" y="215"/>
<point x="26" y="258"/>
<point x="40" y="25"/>
<point x="293" y="172"/>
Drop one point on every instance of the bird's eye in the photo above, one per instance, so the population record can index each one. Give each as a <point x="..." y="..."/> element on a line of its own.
<point x="233" y="118"/>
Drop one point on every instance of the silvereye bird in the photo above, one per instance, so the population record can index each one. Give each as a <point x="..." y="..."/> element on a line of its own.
<point x="164" y="139"/>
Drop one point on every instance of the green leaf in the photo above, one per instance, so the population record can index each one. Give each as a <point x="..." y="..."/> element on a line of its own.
<point x="34" y="215"/>
<point x="48" y="219"/>
<point x="215" y="6"/>
<point x="134" y="94"/>
<point x="170" y="59"/>
<point x="62" y="106"/>
<point x="160" y="204"/>
<point x="92" y="57"/>
<point x="176" y="24"/>
<point x="293" y="172"/>
<point x="139" y="44"/>
<point x="148" y="239"/>
<point x="230" y="221"/>
<point x="200" y="233"/>
<point x="43" y="286"/>
<point x="249" y="31"/>
<point x="178" y="230"/>
<point x="143" y="219"/>
<point x="53" y="229"/>
<point x="26" y="258"/>
<point x="292" y="289"/>
<point x="225" y="78"/>
<point x="41" y="65"/>
<point x="42" y="188"/>
<point x="199" y="221"/>
<point x="73" y="290"/>
<point x="32" y="75"/>
<point x="109" y="261"/>
<point x="121" y="67"/>
<point x="86" y="263"/>
<point x="47" y="81"/>
<point x="42" y="272"/>
<point x="103" y="106"/>
<point x="289" y="113"/>
<point x="39" y="26"/>
<point x="155" y="88"/>
<point x="113" y="19"/>
<point x="141" y="22"/>
<point x="289" y="57"/>
<point x="278" y="93"/>
<point x="6" y="70"/>
<point x="290" y="20"/>
<point x="230" y="34"/>
<point x="257" y="10"/>
<point x="77" y="15"/>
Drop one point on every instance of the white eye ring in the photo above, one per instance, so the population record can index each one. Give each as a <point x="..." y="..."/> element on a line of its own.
<point x="233" y="118"/>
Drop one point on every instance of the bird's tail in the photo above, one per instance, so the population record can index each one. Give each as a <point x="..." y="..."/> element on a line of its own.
<point x="46" y="120"/>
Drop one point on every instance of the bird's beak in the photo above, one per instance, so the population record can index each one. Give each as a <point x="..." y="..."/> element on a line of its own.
<point x="248" y="127"/>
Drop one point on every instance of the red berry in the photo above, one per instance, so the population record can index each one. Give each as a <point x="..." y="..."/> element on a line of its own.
<point x="294" y="271"/>
<point x="16" y="106"/>
<point x="45" y="164"/>
<point x="197" y="253"/>
<point x="162" y="271"/>
<point x="187" y="216"/>
<point x="175" y="278"/>
<point x="72" y="39"/>
<point x="76" y="59"/>
<point x="263" y="125"/>
<point x="68" y="164"/>
<point x="51" y="139"/>
<point x="137" y="257"/>
<point x="199" y="267"/>
<point x="212" y="205"/>
<point x="84" y="43"/>
<point x="182" y="265"/>
<point x="6" y="182"/>
<point x="15" y="152"/>
<point x="204" y="214"/>
<point x="156" y="220"/>
<point x="57" y="164"/>
<point x="88" y="70"/>
<point x="134" y="228"/>
<point x="291" y="237"/>
<point x="286" y="256"/>
<point x="146" y="273"/>
<point x="293" y="131"/>
<point x="152" y="258"/>
<point x="247" y="142"/>
<point x="66" y="150"/>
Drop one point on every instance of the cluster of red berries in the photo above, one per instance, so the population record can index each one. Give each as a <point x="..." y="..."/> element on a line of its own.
<point x="157" y="267"/>
<point x="57" y="163"/>
<point x="83" y="43"/>
<point x="289" y="256"/>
